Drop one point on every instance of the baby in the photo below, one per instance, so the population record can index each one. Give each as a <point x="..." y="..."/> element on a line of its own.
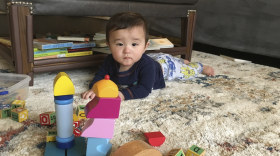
<point x="135" y="72"/>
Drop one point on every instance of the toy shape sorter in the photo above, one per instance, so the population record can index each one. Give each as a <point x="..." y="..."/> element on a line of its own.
<point x="99" y="128"/>
<point x="102" y="110"/>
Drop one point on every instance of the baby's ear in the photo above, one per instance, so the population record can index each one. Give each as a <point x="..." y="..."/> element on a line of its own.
<point x="147" y="45"/>
<point x="107" y="44"/>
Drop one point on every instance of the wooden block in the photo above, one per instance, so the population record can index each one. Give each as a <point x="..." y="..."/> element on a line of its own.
<point x="136" y="148"/>
<point x="175" y="152"/>
<point x="18" y="103"/>
<point x="106" y="88"/>
<point x="79" y="149"/>
<point x="62" y="85"/>
<point x="52" y="150"/>
<point x="99" y="128"/>
<point x="77" y="132"/>
<point x="98" y="147"/>
<point x="75" y="117"/>
<point x="4" y="113"/>
<point x="155" y="138"/>
<point x="47" y="118"/>
<point x="195" y="151"/>
<point x="81" y="112"/>
<point x="19" y="114"/>
<point x="103" y="108"/>
<point x="76" y="124"/>
<point x="51" y="136"/>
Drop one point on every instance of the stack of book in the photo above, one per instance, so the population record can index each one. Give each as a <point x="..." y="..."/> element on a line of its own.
<point x="63" y="46"/>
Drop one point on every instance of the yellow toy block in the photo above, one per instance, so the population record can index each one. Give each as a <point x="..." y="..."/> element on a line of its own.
<point x="106" y="88"/>
<point x="195" y="151"/>
<point x="75" y="117"/>
<point x="62" y="85"/>
<point x="51" y="136"/>
<point x="81" y="112"/>
<point x="175" y="152"/>
<point x="19" y="114"/>
<point x="18" y="103"/>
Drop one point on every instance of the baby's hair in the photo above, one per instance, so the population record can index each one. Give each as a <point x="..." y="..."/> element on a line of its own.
<point x="125" y="20"/>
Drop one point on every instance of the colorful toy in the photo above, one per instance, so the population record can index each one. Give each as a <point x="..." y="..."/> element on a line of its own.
<point x="136" y="148"/>
<point x="155" y="138"/>
<point x="77" y="132"/>
<point x="18" y="103"/>
<point x="47" y="118"/>
<point x="51" y="135"/>
<point x="63" y="95"/>
<point x="19" y="114"/>
<point x="106" y="88"/>
<point x="4" y="113"/>
<point x="81" y="112"/>
<point x="102" y="111"/>
<point x="175" y="152"/>
<point x="99" y="128"/>
<point x="75" y="117"/>
<point x="76" y="124"/>
<point x="195" y="151"/>
<point x="103" y="108"/>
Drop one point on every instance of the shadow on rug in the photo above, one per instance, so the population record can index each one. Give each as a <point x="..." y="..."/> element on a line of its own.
<point x="235" y="112"/>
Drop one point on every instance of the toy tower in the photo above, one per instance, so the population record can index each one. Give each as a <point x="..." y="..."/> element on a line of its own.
<point x="102" y="110"/>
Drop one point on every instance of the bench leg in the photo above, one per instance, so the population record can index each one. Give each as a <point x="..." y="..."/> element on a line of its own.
<point x="187" y="33"/>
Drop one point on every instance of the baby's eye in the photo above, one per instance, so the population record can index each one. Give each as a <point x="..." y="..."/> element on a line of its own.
<point x="120" y="44"/>
<point x="134" y="44"/>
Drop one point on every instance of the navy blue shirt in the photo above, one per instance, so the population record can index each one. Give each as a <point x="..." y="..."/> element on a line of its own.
<point x="135" y="83"/>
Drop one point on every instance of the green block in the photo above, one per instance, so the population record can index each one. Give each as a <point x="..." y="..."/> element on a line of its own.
<point x="51" y="133"/>
<point x="180" y="153"/>
<point x="52" y="118"/>
<point x="196" y="149"/>
<point x="81" y="107"/>
<point x="15" y="116"/>
<point x="5" y="113"/>
<point x="16" y="106"/>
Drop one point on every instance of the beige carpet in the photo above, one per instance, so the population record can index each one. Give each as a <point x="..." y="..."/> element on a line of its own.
<point x="237" y="112"/>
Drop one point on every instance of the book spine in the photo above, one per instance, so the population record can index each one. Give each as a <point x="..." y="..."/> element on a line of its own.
<point x="36" y="51"/>
<point x="84" y="53"/>
<point x="58" y="45"/>
<point x="48" y="54"/>
<point x="64" y="55"/>
<point x="77" y="46"/>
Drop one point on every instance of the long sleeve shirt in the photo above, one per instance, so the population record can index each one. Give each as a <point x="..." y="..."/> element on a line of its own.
<point x="135" y="83"/>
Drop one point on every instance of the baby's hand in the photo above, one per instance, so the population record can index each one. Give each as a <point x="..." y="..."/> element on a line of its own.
<point x="88" y="94"/>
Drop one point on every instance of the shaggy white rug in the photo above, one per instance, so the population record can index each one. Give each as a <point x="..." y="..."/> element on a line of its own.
<point x="234" y="113"/>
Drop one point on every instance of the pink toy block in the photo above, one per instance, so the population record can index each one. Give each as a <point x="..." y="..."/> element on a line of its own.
<point x="99" y="128"/>
<point x="103" y="108"/>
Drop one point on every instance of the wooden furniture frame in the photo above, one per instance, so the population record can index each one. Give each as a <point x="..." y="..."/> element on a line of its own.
<point x="21" y="32"/>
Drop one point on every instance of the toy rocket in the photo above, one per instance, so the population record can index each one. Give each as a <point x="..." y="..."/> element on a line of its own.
<point x="63" y="98"/>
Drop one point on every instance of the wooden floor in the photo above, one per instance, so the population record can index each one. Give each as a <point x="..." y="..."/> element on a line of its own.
<point x="258" y="59"/>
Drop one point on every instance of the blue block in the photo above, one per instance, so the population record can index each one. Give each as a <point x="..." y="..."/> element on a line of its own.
<point x="98" y="147"/>
<point x="65" y="145"/>
<point x="52" y="150"/>
<point x="79" y="149"/>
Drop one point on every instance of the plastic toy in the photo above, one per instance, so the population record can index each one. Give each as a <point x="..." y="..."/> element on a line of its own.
<point x="103" y="108"/>
<point x="195" y="151"/>
<point x="18" y="103"/>
<point x="77" y="132"/>
<point x="47" y="118"/>
<point x="102" y="111"/>
<point x="99" y="128"/>
<point x="136" y="148"/>
<point x="76" y="124"/>
<point x="4" y="113"/>
<point x="155" y="138"/>
<point x="175" y="152"/>
<point x="63" y="95"/>
<point x="19" y="114"/>
<point x="106" y="88"/>
<point x="51" y="135"/>
<point x="75" y="117"/>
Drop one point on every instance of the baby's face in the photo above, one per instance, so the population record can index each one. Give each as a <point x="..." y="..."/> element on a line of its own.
<point x="127" y="45"/>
